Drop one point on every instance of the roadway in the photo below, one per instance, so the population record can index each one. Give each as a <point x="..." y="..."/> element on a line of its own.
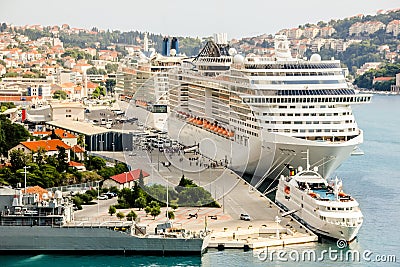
<point x="93" y="213"/>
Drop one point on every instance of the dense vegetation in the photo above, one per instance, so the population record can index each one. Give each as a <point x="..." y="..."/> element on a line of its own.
<point x="387" y="70"/>
<point x="185" y="194"/>
<point x="8" y="140"/>
<point x="43" y="170"/>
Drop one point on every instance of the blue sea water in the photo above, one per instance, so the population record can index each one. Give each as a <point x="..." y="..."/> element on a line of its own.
<point x="373" y="179"/>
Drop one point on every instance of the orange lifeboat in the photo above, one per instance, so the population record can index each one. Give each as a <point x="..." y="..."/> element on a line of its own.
<point x="220" y="130"/>
<point x="231" y="134"/>
<point x="312" y="194"/>
<point x="224" y="132"/>
<point x="286" y="190"/>
<point x="342" y="194"/>
<point x="199" y="122"/>
<point x="212" y="127"/>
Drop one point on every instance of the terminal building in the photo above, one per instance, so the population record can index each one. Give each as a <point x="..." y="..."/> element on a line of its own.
<point x="96" y="138"/>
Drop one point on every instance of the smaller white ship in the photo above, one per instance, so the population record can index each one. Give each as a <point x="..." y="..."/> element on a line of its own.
<point x="320" y="205"/>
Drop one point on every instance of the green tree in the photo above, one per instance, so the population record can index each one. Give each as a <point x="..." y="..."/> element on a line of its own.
<point x="81" y="140"/>
<point x="140" y="202"/>
<point x="112" y="210"/>
<point x="121" y="167"/>
<point x="98" y="92"/>
<point x="195" y="196"/>
<point x="155" y="211"/>
<point x="40" y="157"/>
<point x="126" y="199"/>
<point x="110" y="85"/>
<point x="92" y="71"/>
<point x="7" y="140"/>
<point x="78" y="202"/>
<point x="86" y="198"/>
<point x="120" y="215"/>
<point x="131" y="216"/>
<point x="11" y="74"/>
<point x="95" y="163"/>
<point x="147" y="209"/>
<point x="171" y="215"/>
<point x="111" y="68"/>
<point x="60" y="94"/>
<point x="62" y="159"/>
<point x="183" y="183"/>
<point x="141" y="180"/>
<point x="106" y="172"/>
<point x="18" y="159"/>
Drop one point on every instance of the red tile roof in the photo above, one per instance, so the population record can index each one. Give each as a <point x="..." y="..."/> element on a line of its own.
<point x="382" y="79"/>
<point x="92" y="85"/>
<point x="48" y="145"/>
<point x="59" y="132"/>
<point x="78" y="149"/>
<point x="63" y="134"/>
<point x="75" y="164"/>
<point x="17" y="98"/>
<point x="128" y="176"/>
<point x="36" y="190"/>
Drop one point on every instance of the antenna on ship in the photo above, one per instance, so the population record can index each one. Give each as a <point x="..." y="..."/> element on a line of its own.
<point x="307" y="159"/>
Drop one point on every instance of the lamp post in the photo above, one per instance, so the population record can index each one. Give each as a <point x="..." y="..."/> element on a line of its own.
<point x="113" y="145"/>
<point x="167" y="200"/>
<point x="158" y="160"/>
<point x="223" y="198"/>
<point x="166" y="212"/>
<point x="25" y="172"/>
<point x="277" y="220"/>
<point x="101" y="142"/>
<point x="98" y="201"/>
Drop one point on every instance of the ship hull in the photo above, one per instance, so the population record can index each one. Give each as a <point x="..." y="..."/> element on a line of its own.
<point x="85" y="240"/>
<point x="307" y="212"/>
<point x="336" y="232"/>
<point x="264" y="157"/>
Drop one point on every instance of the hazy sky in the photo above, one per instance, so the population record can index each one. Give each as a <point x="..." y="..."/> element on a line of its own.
<point x="238" y="18"/>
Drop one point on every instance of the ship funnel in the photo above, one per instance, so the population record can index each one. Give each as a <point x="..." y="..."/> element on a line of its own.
<point x="165" y="47"/>
<point x="175" y="45"/>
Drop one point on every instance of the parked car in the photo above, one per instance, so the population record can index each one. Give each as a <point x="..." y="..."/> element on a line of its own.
<point x="110" y="194"/>
<point x="102" y="197"/>
<point x="245" y="217"/>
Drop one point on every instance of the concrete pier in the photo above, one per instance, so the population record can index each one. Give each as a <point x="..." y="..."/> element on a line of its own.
<point x="234" y="195"/>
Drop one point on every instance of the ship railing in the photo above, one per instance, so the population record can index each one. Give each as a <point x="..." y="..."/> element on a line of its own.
<point x="82" y="186"/>
<point x="107" y="224"/>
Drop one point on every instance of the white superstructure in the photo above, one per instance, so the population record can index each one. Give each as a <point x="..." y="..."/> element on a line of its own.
<point x="146" y="76"/>
<point x="321" y="206"/>
<point x="257" y="114"/>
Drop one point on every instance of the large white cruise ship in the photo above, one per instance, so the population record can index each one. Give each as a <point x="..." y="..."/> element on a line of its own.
<point x="258" y="114"/>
